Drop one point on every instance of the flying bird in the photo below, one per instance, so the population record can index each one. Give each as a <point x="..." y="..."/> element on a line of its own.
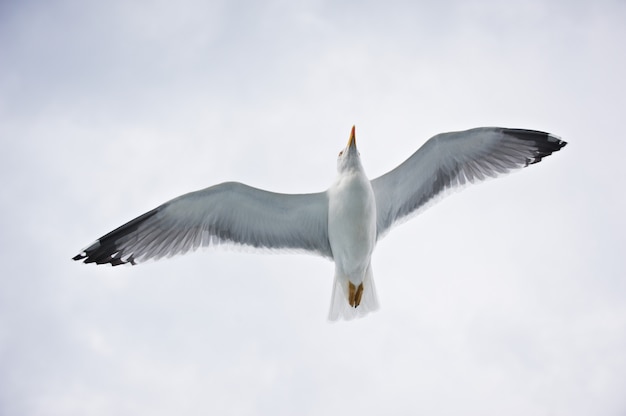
<point x="343" y="224"/>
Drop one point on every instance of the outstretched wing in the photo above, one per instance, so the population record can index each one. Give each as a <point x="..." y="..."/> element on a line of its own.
<point x="452" y="159"/>
<point x="227" y="213"/>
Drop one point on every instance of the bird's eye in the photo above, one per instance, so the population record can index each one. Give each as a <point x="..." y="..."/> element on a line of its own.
<point x="341" y="153"/>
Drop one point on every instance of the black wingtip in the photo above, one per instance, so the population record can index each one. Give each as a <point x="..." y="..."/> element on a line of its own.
<point x="107" y="249"/>
<point x="107" y="255"/>
<point x="545" y="143"/>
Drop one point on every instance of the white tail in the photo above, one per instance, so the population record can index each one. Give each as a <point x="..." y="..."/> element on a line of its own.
<point x="340" y="307"/>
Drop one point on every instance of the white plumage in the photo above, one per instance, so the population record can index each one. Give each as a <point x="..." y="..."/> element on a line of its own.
<point x="342" y="224"/>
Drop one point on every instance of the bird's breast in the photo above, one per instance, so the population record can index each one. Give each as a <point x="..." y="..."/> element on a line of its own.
<point x="352" y="222"/>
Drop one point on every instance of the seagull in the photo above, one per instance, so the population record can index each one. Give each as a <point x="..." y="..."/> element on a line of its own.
<point x="342" y="224"/>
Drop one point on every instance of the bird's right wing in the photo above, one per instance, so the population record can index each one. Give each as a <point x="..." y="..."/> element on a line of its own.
<point x="227" y="213"/>
<point x="448" y="160"/>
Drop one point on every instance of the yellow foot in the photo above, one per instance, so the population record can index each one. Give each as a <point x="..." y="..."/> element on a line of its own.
<point x="358" y="296"/>
<point x="355" y="294"/>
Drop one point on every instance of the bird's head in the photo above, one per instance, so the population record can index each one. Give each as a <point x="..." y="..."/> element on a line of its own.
<point x="349" y="157"/>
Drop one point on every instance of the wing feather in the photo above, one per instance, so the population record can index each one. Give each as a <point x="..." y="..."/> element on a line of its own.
<point x="231" y="213"/>
<point x="454" y="159"/>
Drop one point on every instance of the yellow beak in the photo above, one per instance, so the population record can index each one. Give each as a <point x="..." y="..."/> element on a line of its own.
<point x="352" y="141"/>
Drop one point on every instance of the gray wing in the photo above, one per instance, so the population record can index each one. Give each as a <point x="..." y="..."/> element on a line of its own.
<point x="227" y="213"/>
<point x="453" y="159"/>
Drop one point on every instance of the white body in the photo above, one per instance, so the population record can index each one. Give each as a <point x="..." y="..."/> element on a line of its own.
<point x="352" y="237"/>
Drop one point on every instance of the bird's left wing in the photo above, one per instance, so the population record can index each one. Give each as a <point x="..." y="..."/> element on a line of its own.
<point x="452" y="159"/>
<point x="227" y="213"/>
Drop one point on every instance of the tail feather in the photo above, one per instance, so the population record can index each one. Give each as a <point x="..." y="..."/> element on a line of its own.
<point x="339" y="304"/>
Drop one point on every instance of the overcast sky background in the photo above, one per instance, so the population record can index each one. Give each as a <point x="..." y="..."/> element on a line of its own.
<point x="507" y="298"/>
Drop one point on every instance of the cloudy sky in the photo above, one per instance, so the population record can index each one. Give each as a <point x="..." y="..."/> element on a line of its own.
<point x="507" y="298"/>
